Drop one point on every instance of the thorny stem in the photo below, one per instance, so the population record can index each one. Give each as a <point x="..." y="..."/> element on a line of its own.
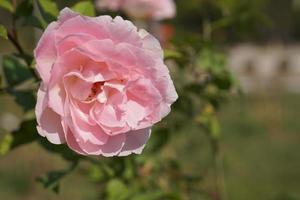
<point x="13" y="37"/>
<point x="207" y="30"/>
<point x="220" y="186"/>
<point x="15" y="42"/>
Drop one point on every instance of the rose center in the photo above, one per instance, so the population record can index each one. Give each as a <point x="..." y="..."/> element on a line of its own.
<point x="95" y="90"/>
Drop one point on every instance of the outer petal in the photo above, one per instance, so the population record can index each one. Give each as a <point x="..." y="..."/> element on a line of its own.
<point x="41" y="103"/>
<point x="113" y="146"/>
<point x="106" y="50"/>
<point x="151" y="43"/>
<point x="71" y="141"/>
<point x="49" y="122"/>
<point x="50" y="126"/>
<point x="166" y="87"/>
<point x="45" y="52"/>
<point x="66" y="14"/>
<point x="135" y="141"/>
<point x="123" y="31"/>
<point x="84" y="25"/>
<point x="67" y="42"/>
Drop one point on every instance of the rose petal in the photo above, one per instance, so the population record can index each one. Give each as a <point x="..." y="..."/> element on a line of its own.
<point x="56" y="96"/>
<point x="135" y="141"/>
<point x="134" y="113"/>
<point x="45" y="52"/>
<point x="83" y="130"/>
<point x="41" y="103"/>
<point x="113" y="146"/>
<point x="50" y="126"/>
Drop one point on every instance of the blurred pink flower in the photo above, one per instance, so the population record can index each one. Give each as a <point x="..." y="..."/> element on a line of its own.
<point x="104" y="85"/>
<point x="153" y="9"/>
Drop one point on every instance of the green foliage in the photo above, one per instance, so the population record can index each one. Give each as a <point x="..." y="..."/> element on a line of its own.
<point x="159" y="139"/>
<point x="85" y="8"/>
<point x="3" y="32"/>
<point x="15" y="71"/>
<point x="34" y="22"/>
<point x="210" y="122"/>
<point x="5" y="144"/>
<point x="26" y="99"/>
<point x="171" y="54"/>
<point x="48" y="9"/>
<point x="24" y="9"/>
<point x="231" y="19"/>
<point x="7" y="5"/>
<point x="51" y="179"/>
<point x="26" y="134"/>
<point x="61" y="150"/>
<point x="116" y="189"/>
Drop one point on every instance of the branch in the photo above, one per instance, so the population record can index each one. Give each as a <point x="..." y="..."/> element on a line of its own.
<point x="15" y="43"/>
<point x="19" y="48"/>
<point x="13" y="37"/>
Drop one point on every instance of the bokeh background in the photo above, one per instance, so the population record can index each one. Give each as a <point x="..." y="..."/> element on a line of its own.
<point x="260" y="128"/>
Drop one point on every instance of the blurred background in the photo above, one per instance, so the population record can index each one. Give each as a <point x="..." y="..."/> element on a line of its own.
<point x="259" y="140"/>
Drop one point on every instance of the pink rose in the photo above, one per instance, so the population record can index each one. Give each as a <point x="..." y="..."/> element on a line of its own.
<point x="154" y="9"/>
<point x="104" y="85"/>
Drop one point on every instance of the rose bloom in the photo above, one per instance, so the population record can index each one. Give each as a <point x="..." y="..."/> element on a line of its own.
<point x="104" y="85"/>
<point x="149" y="9"/>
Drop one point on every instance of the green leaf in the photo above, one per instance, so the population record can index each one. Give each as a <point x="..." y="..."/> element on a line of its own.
<point x="25" y="99"/>
<point x="215" y="130"/>
<point x="5" y="144"/>
<point x="51" y="179"/>
<point x="85" y="8"/>
<point x="158" y="140"/>
<point x="212" y="61"/>
<point x="26" y="134"/>
<point x="48" y="9"/>
<point x="3" y="32"/>
<point x="26" y="57"/>
<point x="7" y="5"/>
<point x="171" y="54"/>
<point x="35" y="22"/>
<point x="24" y="9"/>
<point x="96" y="174"/>
<point x="210" y="122"/>
<point x="129" y="170"/>
<point x="116" y="189"/>
<point x="15" y="72"/>
<point x="62" y="149"/>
